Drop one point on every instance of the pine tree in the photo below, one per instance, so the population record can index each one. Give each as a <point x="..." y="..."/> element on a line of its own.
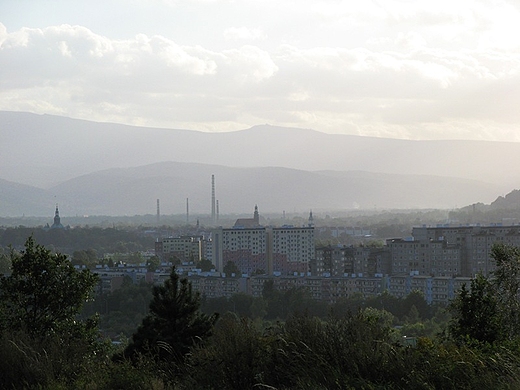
<point x="174" y="323"/>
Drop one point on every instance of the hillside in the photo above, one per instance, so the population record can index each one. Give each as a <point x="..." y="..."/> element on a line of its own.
<point x="130" y="191"/>
<point x="45" y="150"/>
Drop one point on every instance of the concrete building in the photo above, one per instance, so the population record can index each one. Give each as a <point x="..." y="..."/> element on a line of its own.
<point x="255" y="249"/>
<point x="434" y="289"/>
<point x="424" y="257"/>
<point x="474" y="241"/>
<point x="348" y="261"/>
<point x="247" y="248"/>
<point x="216" y="286"/>
<point x="291" y="249"/>
<point x="327" y="290"/>
<point x="333" y="261"/>
<point x="184" y="248"/>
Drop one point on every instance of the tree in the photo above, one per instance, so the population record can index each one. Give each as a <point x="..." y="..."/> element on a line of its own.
<point x="506" y="283"/>
<point x="476" y="313"/>
<point x="490" y="310"/>
<point x="5" y="262"/>
<point x="42" y="337"/>
<point x="231" y="268"/>
<point x="44" y="293"/>
<point x="174" y="323"/>
<point x="205" y="265"/>
<point x="153" y="264"/>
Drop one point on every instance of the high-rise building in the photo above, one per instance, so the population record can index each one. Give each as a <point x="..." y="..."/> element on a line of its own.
<point x="184" y="249"/>
<point x="213" y="207"/>
<point x="255" y="249"/>
<point x="475" y="243"/>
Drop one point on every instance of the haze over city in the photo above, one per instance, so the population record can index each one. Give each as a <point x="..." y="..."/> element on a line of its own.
<point x="245" y="194"/>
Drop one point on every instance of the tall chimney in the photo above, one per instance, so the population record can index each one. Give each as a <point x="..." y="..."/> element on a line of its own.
<point x="213" y="211"/>
<point x="158" y="212"/>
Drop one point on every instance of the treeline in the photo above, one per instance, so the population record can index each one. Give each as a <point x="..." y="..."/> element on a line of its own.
<point x="121" y="311"/>
<point x="45" y="345"/>
<point x="105" y="240"/>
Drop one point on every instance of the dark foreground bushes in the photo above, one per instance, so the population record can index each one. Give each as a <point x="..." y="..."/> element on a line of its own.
<point x="358" y="351"/>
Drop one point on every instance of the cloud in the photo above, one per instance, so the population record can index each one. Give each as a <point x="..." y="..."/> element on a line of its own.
<point x="408" y="69"/>
<point x="244" y="34"/>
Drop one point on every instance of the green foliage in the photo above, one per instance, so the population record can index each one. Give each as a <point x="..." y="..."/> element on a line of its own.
<point x="205" y="265"/>
<point x="358" y="351"/>
<point x="236" y="356"/>
<point x="476" y="313"/>
<point x="79" y="239"/>
<point x="88" y="258"/>
<point x="44" y="292"/>
<point x="153" y="264"/>
<point x="174" y="323"/>
<point x="490" y="311"/>
<point x="43" y="343"/>
<point x="5" y="262"/>
<point x="506" y="283"/>
<point x="122" y="310"/>
<point x="231" y="269"/>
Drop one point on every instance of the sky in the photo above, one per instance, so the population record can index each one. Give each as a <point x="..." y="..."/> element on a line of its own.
<point x="421" y="70"/>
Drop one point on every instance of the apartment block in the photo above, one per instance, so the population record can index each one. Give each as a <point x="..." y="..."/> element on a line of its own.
<point x="291" y="249"/>
<point x="474" y="242"/>
<point x="424" y="257"/>
<point x="184" y="248"/>
<point x="351" y="261"/>
<point x="281" y="251"/>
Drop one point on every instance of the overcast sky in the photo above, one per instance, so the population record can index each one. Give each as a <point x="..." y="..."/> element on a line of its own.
<point x="400" y="69"/>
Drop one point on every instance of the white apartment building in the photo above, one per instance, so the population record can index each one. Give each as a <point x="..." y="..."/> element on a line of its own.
<point x="282" y="251"/>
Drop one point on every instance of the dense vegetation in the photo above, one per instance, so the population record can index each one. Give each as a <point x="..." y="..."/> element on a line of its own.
<point x="104" y="240"/>
<point x="277" y="341"/>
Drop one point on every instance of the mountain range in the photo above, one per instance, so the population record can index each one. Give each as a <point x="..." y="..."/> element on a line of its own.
<point x="113" y="169"/>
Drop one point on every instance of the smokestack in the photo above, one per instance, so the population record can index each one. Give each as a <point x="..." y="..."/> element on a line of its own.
<point x="158" y="212"/>
<point x="213" y="215"/>
<point x="217" y="210"/>
<point x="187" y="211"/>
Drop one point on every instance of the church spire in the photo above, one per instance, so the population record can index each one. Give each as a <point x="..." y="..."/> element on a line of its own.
<point x="256" y="216"/>
<point x="311" y="220"/>
<point x="57" y="220"/>
<point x="57" y="215"/>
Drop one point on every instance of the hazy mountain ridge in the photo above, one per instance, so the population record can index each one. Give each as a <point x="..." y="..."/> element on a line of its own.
<point x="130" y="191"/>
<point x="104" y="168"/>
<point x="44" y="150"/>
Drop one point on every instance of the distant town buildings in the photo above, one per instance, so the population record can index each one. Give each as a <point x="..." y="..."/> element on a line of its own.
<point x="182" y="249"/>
<point x="434" y="260"/>
<point x="255" y="249"/>
<point x="474" y="243"/>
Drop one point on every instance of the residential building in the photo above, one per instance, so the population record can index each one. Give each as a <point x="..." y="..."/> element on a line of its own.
<point x="182" y="249"/>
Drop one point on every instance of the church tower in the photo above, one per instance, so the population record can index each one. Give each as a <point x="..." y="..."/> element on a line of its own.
<point x="57" y="216"/>
<point x="256" y="216"/>
<point x="311" y="220"/>
<point x="57" y="221"/>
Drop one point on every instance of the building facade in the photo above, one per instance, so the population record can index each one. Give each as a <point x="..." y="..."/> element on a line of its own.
<point x="278" y="251"/>
<point x="184" y="249"/>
